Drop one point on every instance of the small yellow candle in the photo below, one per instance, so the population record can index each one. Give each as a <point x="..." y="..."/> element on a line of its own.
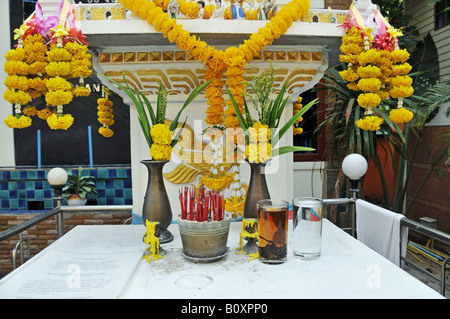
<point x="152" y="241"/>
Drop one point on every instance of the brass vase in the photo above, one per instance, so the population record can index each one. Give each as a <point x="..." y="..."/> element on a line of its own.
<point x="156" y="206"/>
<point x="257" y="190"/>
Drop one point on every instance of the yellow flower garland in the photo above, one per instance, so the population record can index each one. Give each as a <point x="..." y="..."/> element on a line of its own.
<point x="400" y="115"/>
<point x="378" y="74"/>
<point x="18" y="122"/>
<point x="370" y="123"/>
<point x="60" y="122"/>
<point x="297" y="106"/>
<point x="38" y="67"/>
<point x="105" y="113"/>
<point x="23" y="66"/>
<point x="234" y="58"/>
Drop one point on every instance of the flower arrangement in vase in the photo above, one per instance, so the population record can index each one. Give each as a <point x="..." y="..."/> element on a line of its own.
<point x="262" y="133"/>
<point x="203" y="224"/>
<point x="160" y="139"/>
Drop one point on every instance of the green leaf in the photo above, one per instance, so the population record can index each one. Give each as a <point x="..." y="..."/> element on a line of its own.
<point x="177" y="136"/>
<point x="190" y="98"/>
<point x="149" y="108"/>
<point x="273" y="114"/>
<point x="291" y="122"/>
<point x="288" y="149"/>
<point x="146" y="133"/>
<point x="241" y="120"/>
<point x="281" y="110"/>
<point x="249" y="118"/>
<point x="158" y="109"/>
<point x="349" y="110"/>
<point x="394" y="126"/>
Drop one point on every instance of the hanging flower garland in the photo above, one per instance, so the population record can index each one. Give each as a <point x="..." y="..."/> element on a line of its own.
<point x="80" y="66"/>
<point x="235" y="62"/>
<point x="46" y="56"/>
<point x="59" y="89"/>
<point x="234" y="58"/>
<point x="17" y="69"/>
<point x="377" y="68"/>
<point x="297" y="106"/>
<point x="217" y="179"/>
<point x="214" y="92"/>
<point x="105" y="113"/>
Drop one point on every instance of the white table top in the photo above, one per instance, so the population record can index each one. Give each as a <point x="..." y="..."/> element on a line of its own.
<point x="107" y="262"/>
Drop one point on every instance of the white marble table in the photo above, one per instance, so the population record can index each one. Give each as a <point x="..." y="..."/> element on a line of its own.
<point x="106" y="262"/>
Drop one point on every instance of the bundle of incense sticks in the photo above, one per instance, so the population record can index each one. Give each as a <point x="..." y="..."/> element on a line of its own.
<point x="206" y="206"/>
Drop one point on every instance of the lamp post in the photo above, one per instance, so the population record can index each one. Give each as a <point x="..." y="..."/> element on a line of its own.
<point x="354" y="167"/>
<point x="57" y="178"/>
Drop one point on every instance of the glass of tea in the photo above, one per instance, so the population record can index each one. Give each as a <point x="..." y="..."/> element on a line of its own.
<point x="272" y="230"/>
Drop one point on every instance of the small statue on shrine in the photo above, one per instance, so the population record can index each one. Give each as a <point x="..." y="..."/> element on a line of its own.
<point x="238" y="12"/>
<point x="201" y="11"/>
<point x="152" y="242"/>
<point x="268" y="7"/>
<point x="218" y="13"/>
<point x="249" y="5"/>
<point x="173" y="9"/>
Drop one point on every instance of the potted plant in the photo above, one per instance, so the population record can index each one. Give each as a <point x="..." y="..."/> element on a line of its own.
<point x="78" y="188"/>
<point x="203" y="225"/>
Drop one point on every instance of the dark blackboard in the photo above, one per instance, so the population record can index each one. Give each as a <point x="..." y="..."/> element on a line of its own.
<point x="71" y="147"/>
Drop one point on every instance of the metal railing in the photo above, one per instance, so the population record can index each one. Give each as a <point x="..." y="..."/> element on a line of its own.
<point x="58" y="211"/>
<point x="431" y="233"/>
<point x="412" y="225"/>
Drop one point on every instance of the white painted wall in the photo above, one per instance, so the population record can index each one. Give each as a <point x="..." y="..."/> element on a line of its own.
<point x="7" y="157"/>
<point x="307" y="179"/>
<point x="423" y="18"/>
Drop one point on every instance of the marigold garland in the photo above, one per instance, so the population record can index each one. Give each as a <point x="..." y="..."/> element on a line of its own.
<point x="41" y="64"/>
<point x="378" y="72"/>
<point x="105" y="113"/>
<point x="297" y="106"/>
<point x="370" y="123"/>
<point x="19" y="122"/>
<point x="24" y="82"/>
<point x="400" y="115"/>
<point x="60" y="122"/>
<point x="234" y="58"/>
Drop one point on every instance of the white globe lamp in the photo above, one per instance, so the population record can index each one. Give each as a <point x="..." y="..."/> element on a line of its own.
<point x="354" y="167"/>
<point x="57" y="178"/>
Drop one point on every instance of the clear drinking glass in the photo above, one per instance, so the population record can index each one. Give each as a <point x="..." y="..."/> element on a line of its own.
<point x="307" y="220"/>
<point x="273" y="218"/>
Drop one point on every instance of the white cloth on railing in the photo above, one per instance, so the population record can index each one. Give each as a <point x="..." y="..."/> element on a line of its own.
<point x="380" y="229"/>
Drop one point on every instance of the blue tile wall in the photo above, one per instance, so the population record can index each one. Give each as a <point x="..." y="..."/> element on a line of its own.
<point x="19" y="187"/>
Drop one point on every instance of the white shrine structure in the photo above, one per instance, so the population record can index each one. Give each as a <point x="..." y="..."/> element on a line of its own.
<point x="122" y="43"/>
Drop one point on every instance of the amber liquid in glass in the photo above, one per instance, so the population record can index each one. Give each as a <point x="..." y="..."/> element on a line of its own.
<point x="273" y="230"/>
